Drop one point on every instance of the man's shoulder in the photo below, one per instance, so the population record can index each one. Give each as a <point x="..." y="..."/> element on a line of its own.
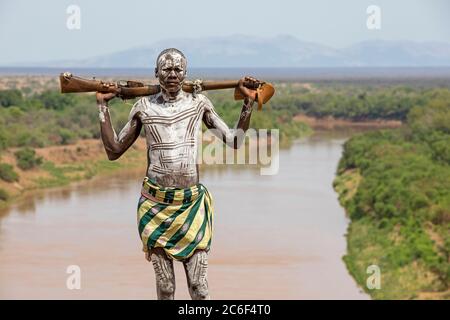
<point x="139" y="107"/>
<point x="202" y="98"/>
<point x="143" y="101"/>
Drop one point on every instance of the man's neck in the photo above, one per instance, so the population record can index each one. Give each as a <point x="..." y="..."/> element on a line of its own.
<point x="173" y="97"/>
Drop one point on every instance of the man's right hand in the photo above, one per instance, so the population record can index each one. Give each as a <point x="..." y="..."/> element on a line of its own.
<point x="103" y="98"/>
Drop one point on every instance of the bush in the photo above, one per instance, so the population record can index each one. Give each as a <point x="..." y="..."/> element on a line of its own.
<point x="10" y="98"/>
<point x="3" y="195"/>
<point x="55" y="100"/>
<point x="7" y="173"/>
<point x="27" y="159"/>
<point x="3" y="140"/>
<point x="67" y="136"/>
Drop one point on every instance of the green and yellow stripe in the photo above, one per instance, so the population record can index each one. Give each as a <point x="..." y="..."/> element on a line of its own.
<point x="178" y="220"/>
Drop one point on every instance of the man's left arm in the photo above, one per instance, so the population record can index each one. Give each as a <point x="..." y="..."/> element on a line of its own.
<point x="232" y="137"/>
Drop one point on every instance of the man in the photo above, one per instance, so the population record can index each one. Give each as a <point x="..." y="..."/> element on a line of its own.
<point x="174" y="211"/>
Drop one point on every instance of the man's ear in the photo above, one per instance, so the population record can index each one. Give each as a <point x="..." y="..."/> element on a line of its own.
<point x="156" y="72"/>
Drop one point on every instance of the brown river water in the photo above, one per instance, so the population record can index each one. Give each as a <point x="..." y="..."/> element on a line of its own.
<point x="276" y="237"/>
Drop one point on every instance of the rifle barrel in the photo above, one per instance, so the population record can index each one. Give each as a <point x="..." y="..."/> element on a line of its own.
<point x="70" y="83"/>
<point x="214" y="85"/>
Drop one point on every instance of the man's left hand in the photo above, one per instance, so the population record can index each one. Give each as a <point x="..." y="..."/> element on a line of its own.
<point x="248" y="93"/>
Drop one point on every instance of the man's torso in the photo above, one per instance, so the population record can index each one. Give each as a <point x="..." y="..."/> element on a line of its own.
<point x="171" y="130"/>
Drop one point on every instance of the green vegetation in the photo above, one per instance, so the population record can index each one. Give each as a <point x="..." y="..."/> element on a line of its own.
<point x="3" y="195"/>
<point x="47" y="118"/>
<point x="395" y="185"/>
<point x="352" y="101"/>
<point x="27" y="159"/>
<point x="51" y="118"/>
<point x="30" y="118"/>
<point x="33" y="118"/>
<point x="7" y="173"/>
<point x="10" y="98"/>
<point x="60" y="175"/>
<point x="269" y="118"/>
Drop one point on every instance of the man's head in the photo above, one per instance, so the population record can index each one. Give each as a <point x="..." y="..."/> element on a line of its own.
<point x="171" y="69"/>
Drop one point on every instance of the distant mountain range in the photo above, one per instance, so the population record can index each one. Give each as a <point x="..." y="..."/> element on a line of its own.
<point x="281" y="51"/>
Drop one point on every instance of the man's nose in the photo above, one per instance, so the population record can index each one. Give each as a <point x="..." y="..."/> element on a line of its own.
<point x="172" y="74"/>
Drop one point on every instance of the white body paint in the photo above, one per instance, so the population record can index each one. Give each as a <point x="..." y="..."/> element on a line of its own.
<point x="171" y="121"/>
<point x="171" y="130"/>
<point x="102" y="109"/>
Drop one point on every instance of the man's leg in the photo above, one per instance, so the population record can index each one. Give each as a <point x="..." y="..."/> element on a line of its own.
<point x="165" y="275"/>
<point x="196" y="268"/>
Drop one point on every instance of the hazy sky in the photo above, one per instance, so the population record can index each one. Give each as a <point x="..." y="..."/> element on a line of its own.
<point x="36" y="30"/>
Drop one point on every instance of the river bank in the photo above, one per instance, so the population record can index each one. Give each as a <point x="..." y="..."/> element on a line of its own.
<point x="91" y="162"/>
<point x="331" y="123"/>
<point x="86" y="158"/>
<point x="394" y="186"/>
<point x="63" y="165"/>
<point x="300" y="258"/>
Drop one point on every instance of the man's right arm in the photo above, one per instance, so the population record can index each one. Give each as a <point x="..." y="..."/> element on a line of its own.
<point x="115" y="145"/>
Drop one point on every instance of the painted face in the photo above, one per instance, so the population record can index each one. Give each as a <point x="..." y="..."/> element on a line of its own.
<point x="171" y="71"/>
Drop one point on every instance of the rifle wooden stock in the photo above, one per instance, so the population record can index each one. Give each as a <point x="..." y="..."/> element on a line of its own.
<point x="133" y="89"/>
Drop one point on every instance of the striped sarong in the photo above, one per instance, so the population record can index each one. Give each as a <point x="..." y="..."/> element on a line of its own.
<point x="178" y="220"/>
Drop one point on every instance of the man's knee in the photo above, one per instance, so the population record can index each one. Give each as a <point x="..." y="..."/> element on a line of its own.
<point x="166" y="288"/>
<point x="165" y="276"/>
<point x="199" y="290"/>
<point x="196" y="270"/>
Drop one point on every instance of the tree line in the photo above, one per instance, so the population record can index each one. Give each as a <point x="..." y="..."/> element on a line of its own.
<point x="400" y="208"/>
